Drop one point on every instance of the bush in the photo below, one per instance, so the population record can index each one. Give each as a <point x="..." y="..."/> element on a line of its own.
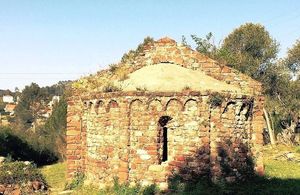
<point x="126" y="189"/>
<point x="141" y="88"/>
<point x="110" y="87"/>
<point x="216" y="99"/>
<point x="76" y="182"/>
<point x="19" y="173"/>
<point x="186" y="88"/>
<point x="124" y="77"/>
<point x="113" y="68"/>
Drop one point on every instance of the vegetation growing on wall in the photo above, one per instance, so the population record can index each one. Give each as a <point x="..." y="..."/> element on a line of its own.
<point x="216" y="99"/>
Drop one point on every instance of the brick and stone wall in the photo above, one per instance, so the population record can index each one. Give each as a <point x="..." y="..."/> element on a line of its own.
<point x="121" y="135"/>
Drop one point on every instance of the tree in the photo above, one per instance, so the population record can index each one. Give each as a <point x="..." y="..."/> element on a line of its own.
<point x="53" y="132"/>
<point x="24" y="112"/>
<point x="282" y="99"/>
<point x="205" y="45"/>
<point x="184" y="41"/>
<point x="292" y="60"/>
<point x="250" y="48"/>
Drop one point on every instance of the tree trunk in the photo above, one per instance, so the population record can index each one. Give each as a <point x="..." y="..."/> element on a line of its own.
<point x="269" y="127"/>
<point x="288" y="136"/>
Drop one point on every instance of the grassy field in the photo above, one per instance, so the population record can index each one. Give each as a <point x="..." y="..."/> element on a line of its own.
<point x="282" y="177"/>
<point x="55" y="175"/>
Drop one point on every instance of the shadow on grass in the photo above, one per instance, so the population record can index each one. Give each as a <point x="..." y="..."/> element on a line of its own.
<point x="255" y="185"/>
<point x="18" y="149"/>
<point x="233" y="161"/>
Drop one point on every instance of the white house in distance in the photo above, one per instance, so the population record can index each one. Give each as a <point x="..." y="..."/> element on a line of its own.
<point x="8" y="99"/>
<point x="55" y="100"/>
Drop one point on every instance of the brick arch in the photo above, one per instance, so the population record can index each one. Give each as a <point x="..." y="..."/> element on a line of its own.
<point x="93" y="105"/>
<point x="133" y="102"/>
<point x="188" y="102"/>
<point x="86" y="105"/>
<point x="154" y="105"/>
<point x="90" y="105"/>
<point x="228" y="104"/>
<point x="112" y="104"/>
<point x="172" y="102"/>
<point x="99" y="106"/>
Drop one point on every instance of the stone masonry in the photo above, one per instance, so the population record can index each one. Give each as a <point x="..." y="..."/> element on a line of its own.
<point x="148" y="137"/>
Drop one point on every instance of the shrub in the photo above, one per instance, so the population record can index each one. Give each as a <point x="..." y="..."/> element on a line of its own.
<point x="77" y="181"/>
<point x="113" y="68"/>
<point x="110" y="87"/>
<point x="150" y="190"/>
<point x="216" y="99"/>
<point x="128" y="57"/>
<point x="186" y="88"/>
<point x="123" y="77"/>
<point x="125" y="189"/>
<point x="19" y="173"/>
<point x="141" y="88"/>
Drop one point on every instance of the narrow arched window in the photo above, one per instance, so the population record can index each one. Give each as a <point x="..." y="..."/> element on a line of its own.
<point x="165" y="144"/>
<point x="163" y="138"/>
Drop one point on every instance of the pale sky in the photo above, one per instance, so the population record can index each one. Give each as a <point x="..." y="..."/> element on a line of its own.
<point x="48" y="41"/>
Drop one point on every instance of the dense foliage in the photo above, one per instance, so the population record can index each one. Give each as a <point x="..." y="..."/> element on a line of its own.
<point x="32" y="99"/>
<point x="52" y="134"/>
<point x="32" y="136"/>
<point x="251" y="50"/>
<point x="293" y="59"/>
<point x="26" y="147"/>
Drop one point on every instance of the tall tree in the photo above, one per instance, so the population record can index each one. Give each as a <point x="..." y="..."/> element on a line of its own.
<point x="251" y="48"/>
<point x="293" y="58"/>
<point x="24" y="111"/>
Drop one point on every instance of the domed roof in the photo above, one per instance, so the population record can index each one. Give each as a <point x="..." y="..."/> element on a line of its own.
<point x="172" y="77"/>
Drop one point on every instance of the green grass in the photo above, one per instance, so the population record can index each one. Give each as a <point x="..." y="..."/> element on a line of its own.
<point x="282" y="177"/>
<point x="55" y="175"/>
<point x="280" y="169"/>
<point x="298" y="149"/>
<point x="90" y="190"/>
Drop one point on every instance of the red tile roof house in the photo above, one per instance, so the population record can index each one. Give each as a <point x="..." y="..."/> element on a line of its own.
<point x="10" y="108"/>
